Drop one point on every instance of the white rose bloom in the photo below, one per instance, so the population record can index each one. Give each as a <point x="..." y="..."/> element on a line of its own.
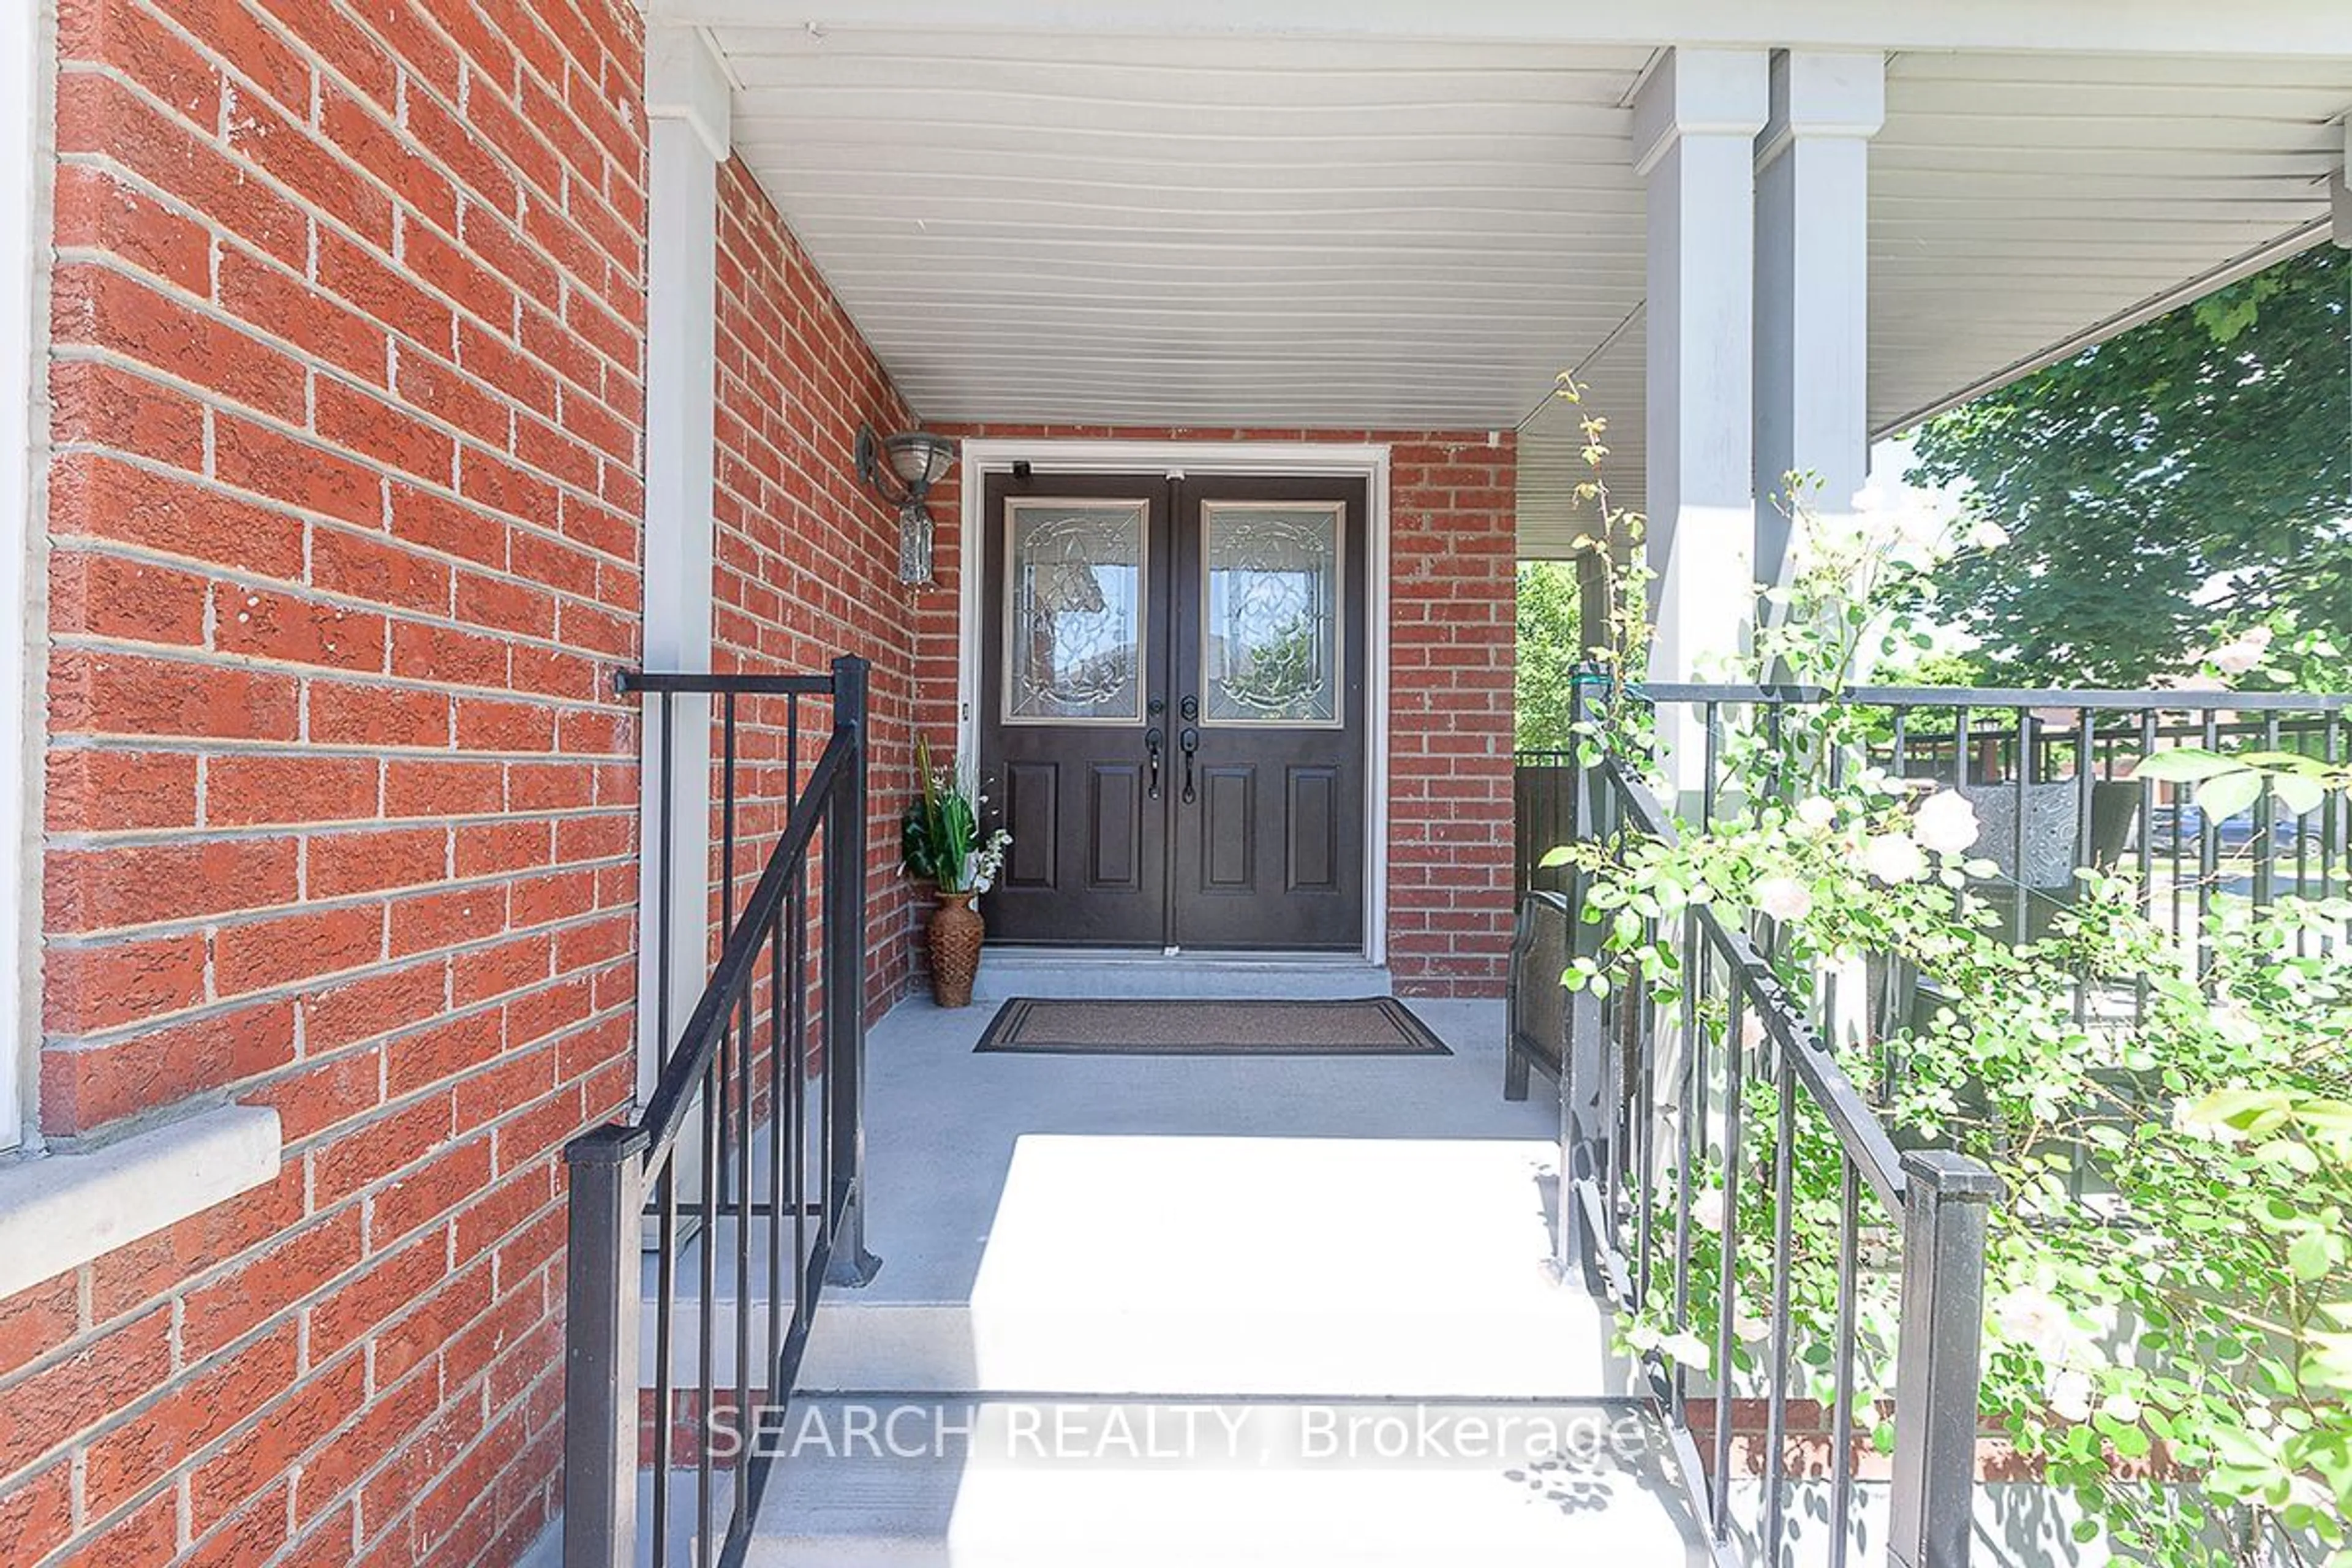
<point x="1707" y="1209"/>
<point x="1784" y="897"/>
<point x="1893" y="857"/>
<point x="2124" y="1408"/>
<point x="1987" y="534"/>
<point x="1947" y="822"/>
<point x="2244" y="654"/>
<point x="1815" y="812"/>
<point x="2028" y="1316"/>
<point x="2070" y="1396"/>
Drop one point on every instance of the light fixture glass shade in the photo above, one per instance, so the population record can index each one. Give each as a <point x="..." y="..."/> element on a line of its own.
<point x="914" y="543"/>
<point x="920" y="458"/>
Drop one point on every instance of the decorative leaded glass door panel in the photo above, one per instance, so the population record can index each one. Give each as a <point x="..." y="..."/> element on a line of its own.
<point x="1267" y="850"/>
<point x="1074" y="654"/>
<point x="1172" y="721"/>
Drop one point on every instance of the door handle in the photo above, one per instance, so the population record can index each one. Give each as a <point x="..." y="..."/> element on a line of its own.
<point x="1189" y="742"/>
<point x="1151" y="740"/>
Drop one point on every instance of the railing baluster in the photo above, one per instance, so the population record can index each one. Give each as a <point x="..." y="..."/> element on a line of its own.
<point x="665" y="1346"/>
<point x="795" y="1092"/>
<point x="780" y="987"/>
<point x="706" y="1367"/>
<point x="1692" y="1095"/>
<point x="2086" y="819"/>
<point x="1726" y="1296"/>
<point x="1849" y="1276"/>
<point x="741" y="1155"/>
<point x="2209" y="858"/>
<point x="1784" y="1205"/>
<point x="2023" y="893"/>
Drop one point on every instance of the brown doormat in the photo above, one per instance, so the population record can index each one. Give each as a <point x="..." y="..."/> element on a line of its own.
<point x="1372" y="1026"/>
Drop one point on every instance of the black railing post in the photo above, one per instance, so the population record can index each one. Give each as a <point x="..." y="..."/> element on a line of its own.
<point x="1946" y="1200"/>
<point x="603" y="1297"/>
<point x="845" y="982"/>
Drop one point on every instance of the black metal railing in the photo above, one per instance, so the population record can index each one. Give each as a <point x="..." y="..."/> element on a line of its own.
<point x="1652" y="1095"/>
<point x="743" y="1172"/>
<point x="1647" y="1099"/>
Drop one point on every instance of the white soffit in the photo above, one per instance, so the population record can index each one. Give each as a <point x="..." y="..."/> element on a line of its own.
<point x="1214" y="229"/>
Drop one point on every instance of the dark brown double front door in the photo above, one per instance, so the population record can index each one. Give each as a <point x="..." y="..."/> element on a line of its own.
<point x="1172" y="710"/>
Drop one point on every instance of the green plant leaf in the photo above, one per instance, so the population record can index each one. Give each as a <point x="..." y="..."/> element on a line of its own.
<point x="2185" y="765"/>
<point x="2224" y="796"/>
<point x="2297" y="793"/>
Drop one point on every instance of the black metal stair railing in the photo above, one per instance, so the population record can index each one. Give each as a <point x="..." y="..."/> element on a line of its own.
<point x="1646" y="1097"/>
<point x="1650" y="1092"/>
<point x="765" y="1084"/>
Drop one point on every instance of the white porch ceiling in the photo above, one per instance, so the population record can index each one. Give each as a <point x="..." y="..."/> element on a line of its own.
<point x="1384" y="232"/>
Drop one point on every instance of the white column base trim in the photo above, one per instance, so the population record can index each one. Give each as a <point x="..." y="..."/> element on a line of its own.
<point x="60" y="1211"/>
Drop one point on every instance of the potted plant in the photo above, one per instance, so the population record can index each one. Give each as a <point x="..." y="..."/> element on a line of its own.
<point x="941" y="841"/>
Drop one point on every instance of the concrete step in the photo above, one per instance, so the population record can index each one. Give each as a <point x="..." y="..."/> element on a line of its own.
<point x="1204" y="1265"/>
<point x="1016" y="1484"/>
<point x="1008" y="971"/>
<point x="1324" y="1268"/>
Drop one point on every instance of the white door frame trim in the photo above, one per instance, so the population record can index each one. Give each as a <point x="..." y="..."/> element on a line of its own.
<point x="1367" y="461"/>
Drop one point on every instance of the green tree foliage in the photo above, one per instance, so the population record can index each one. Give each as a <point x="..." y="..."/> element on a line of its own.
<point x="1547" y="652"/>
<point x="2184" y="481"/>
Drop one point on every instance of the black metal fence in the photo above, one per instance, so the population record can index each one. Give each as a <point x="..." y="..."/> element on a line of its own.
<point x="1652" y="1095"/>
<point x="2050" y="773"/>
<point x="763" y="1092"/>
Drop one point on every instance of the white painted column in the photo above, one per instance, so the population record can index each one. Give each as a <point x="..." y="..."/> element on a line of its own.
<point x="687" y="107"/>
<point x="1812" y="271"/>
<point x="2340" y="191"/>
<point x="1694" y="125"/>
<point x="26" y="171"/>
<point x="1694" y="122"/>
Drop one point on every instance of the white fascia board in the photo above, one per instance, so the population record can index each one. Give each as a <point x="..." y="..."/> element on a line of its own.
<point x="686" y="80"/>
<point x="2286" y="28"/>
<point x="60" y="1211"/>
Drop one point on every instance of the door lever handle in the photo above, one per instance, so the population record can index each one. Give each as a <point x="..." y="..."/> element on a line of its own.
<point x="1189" y="741"/>
<point x="1151" y="741"/>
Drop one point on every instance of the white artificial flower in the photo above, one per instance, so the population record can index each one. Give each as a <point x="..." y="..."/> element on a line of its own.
<point x="1707" y="1209"/>
<point x="2243" y="654"/>
<point x="1947" y="822"/>
<point x="2070" y="1396"/>
<point x="1815" y="812"/>
<point x="1784" y="897"/>
<point x="1893" y="857"/>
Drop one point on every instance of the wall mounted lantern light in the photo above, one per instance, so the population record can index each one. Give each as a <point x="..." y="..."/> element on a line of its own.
<point x="901" y="470"/>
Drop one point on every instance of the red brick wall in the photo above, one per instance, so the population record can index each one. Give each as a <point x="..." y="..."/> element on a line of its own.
<point x="345" y="508"/>
<point x="1452" y="559"/>
<point x="806" y="560"/>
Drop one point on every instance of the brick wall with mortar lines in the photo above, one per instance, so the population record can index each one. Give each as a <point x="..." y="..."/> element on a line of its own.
<point x="345" y="515"/>
<point x="1453" y="551"/>
<point x="806" y="560"/>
